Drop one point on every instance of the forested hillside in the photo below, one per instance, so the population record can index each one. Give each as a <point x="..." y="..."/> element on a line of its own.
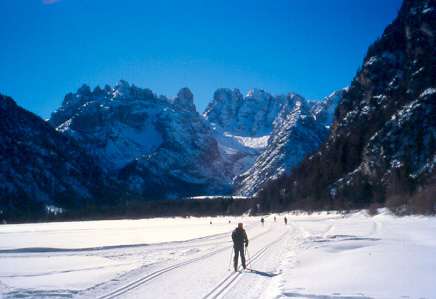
<point x="381" y="147"/>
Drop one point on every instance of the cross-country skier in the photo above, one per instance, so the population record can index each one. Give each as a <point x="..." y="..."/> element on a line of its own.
<point x="239" y="237"/>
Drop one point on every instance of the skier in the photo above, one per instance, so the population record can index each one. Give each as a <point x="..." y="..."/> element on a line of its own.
<point x="262" y="222"/>
<point x="239" y="237"/>
<point x="286" y="221"/>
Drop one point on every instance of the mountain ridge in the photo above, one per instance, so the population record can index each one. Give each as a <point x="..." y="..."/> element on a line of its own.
<point x="41" y="168"/>
<point x="183" y="149"/>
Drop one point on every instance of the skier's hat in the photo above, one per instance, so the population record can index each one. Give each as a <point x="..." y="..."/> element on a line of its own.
<point x="240" y="224"/>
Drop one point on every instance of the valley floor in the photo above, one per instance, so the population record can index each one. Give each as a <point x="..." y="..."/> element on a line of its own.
<point x="313" y="256"/>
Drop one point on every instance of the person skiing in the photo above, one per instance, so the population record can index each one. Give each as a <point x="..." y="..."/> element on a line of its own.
<point x="262" y="222"/>
<point x="286" y="221"/>
<point x="239" y="237"/>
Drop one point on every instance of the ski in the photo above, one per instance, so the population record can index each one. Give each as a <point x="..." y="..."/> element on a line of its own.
<point x="240" y="270"/>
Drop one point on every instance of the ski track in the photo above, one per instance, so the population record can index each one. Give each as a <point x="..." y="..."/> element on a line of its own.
<point x="154" y="275"/>
<point x="232" y="279"/>
<point x="159" y="273"/>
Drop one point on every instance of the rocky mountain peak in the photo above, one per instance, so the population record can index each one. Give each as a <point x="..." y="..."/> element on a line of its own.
<point x="224" y="107"/>
<point x="98" y="91"/>
<point x="255" y="93"/>
<point x="247" y="116"/>
<point x="85" y="90"/>
<point x="184" y="100"/>
<point x="6" y="102"/>
<point x="185" y="95"/>
<point x="122" y="85"/>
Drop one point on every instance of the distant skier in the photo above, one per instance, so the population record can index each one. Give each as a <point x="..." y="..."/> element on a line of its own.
<point x="239" y="237"/>
<point x="262" y="222"/>
<point x="286" y="221"/>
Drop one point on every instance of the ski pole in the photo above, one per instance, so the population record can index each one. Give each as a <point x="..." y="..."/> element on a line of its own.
<point x="249" y="259"/>
<point x="230" y="258"/>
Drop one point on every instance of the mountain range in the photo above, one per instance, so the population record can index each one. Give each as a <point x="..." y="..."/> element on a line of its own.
<point x="163" y="148"/>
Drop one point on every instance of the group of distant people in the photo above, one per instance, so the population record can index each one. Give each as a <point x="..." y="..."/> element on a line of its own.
<point x="262" y="221"/>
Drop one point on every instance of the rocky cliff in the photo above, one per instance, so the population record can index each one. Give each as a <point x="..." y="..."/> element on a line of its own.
<point x="381" y="146"/>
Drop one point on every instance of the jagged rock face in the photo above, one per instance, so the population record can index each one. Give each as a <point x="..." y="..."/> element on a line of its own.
<point x="150" y="143"/>
<point x="395" y="93"/>
<point x="188" y="162"/>
<point x="40" y="165"/>
<point x="224" y="108"/>
<point x="164" y="148"/>
<point x="323" y="112"/>
<point x="116" y="125"/>
<point x="240" y="126"/>
<point x="300" y="127"/>
<point x="243" y="126"/>
<point x="415" y="125"/>
<point x="247" y="116"/>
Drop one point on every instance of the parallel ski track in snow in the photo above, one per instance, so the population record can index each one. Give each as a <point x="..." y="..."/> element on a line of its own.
<point x="232" y="279"/>
<point x="147" y="278"/>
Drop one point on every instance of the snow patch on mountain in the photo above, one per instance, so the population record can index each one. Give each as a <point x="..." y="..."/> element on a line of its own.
<point x="300" y="127"/>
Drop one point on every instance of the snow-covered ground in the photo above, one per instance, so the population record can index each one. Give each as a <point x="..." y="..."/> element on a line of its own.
<point x="314" y="256"/>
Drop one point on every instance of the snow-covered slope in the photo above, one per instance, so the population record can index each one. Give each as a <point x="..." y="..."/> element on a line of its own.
<point x="241" y="126"/>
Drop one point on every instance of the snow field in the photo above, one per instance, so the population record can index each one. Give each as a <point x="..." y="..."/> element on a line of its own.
<point x="361" y="257"/>
<point x="315" y="256"/>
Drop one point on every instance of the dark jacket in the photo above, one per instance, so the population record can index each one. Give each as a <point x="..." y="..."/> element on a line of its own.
<point x="239" y="237"/>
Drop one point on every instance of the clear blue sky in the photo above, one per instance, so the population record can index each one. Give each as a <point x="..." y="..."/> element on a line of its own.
<point x="49" y="48"/>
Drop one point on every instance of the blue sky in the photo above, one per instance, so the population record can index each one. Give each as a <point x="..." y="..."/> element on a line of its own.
<point x="49" y="48"/>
